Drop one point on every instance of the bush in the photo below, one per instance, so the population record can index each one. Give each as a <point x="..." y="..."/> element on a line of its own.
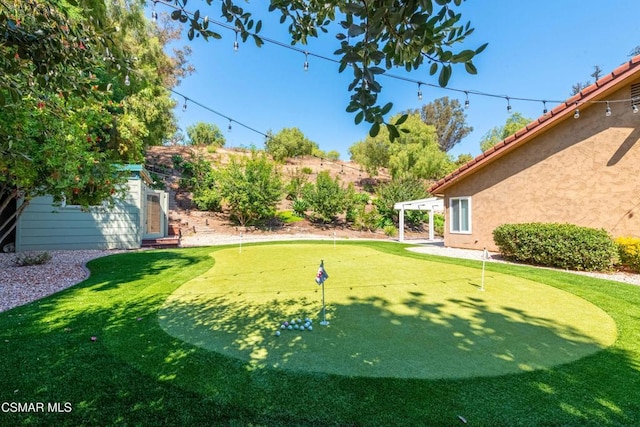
<point x="208" y="199"/>
<point x="300" y="207"/>
<point x="32" y="258"/>
<point x="557" y="245"/>
<point x="629" y="252"/>
<point x="390" y="230"/>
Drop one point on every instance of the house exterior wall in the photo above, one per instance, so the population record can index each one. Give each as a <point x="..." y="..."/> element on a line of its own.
<point x="43" y="226"/>
<point x="582" y="171"/>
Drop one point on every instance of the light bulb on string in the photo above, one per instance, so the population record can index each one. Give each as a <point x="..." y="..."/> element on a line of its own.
<point x="466" y="101"/>
<point x="306" y="61"/>
<point x="127" y="81"/>
<point x="419" y="92"/>
<point x="544" y="110"/>
<point x="634" y="108"/>
<point x="608" y="110"/>
<point x="184" y="106"/>
<point x="236" y="45"/>
<point x="229" y="127"/>
<point x="576" y="114"/>
<point x="508" y="105"/>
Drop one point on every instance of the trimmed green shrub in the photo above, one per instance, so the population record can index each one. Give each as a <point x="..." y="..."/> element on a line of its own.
<point x="557" y="245"/>
<point x="629" y="252"/>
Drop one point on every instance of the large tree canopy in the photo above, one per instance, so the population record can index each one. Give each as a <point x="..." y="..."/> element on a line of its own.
<point x="289" y="142"/>
<point x="449" y="119"/>
<point x="83" y="87"/>
<point x="372" y="37"/>
<point x="414" y="154"/>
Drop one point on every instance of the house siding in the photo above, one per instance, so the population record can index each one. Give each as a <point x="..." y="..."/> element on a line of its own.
<point x="43" y="226"/>
<point x="582" y="171"/>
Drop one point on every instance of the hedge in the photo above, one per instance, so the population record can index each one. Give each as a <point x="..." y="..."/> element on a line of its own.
<point x="565" y="246"/>
<point x="629" y="252"/>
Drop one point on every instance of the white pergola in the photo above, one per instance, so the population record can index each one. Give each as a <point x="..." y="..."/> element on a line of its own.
<point x="433" y="204"/>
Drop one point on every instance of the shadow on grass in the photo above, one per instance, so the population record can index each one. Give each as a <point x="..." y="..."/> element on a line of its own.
<point x="138" y="375"/>
<point x="375" y="337"/>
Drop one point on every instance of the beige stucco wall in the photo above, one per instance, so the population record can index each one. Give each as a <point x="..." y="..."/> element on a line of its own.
<point x="583" y="171"/>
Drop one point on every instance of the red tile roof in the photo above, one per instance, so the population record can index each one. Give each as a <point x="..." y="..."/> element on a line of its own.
<point x="606" y="84"/>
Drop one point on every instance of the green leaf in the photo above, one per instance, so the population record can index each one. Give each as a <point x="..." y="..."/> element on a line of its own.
<point x="403" y="118"/>
<point x="471" y="69"/>
<point x="433" y="69"/>
<point x="393" y="131"/>
<point x="375" y="130"/>
<point x="445" y="75"/>
<point x="359" y="117"/>
<point x="257" y="40"/>
<point x="481" y="48"/>
<point x="386" y="109"/>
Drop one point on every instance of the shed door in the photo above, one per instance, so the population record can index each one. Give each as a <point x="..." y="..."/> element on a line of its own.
<point x="154" y="215"/>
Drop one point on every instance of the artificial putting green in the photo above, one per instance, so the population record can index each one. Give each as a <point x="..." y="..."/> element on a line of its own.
<point x="390" y="316"/>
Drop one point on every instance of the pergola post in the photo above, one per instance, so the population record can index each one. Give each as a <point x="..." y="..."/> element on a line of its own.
<point x="401" y="226"/>
<point x="431" y="231"/>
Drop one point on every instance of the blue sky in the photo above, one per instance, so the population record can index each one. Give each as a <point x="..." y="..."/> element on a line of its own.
<point x="537" y="49"/>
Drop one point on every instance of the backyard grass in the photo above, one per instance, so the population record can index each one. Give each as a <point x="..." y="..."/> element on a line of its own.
<point x="188" y="337"/>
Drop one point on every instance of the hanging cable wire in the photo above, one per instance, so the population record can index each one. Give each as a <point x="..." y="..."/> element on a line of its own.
<point x="231" y="120"/>
<point x="384" y="74"/>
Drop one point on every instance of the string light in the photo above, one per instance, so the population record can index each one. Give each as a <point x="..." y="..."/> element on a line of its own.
<point x="184" y="106"/>
<point x="365" y="84"/>
<point x="576" y="114"/>
<point x="608" y="110"/>
<point x="229" y="128"/>
<point x="544" y="107"/>
<point x="236" y="45"/>
<point x="127" y="80"/>
<point x="306" y="61"/>
<point x="634" y="108"/>
<point x="419" y="92"/>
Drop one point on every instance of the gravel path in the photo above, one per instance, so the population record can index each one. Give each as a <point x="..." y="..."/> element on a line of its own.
<point x="21" y="285"/>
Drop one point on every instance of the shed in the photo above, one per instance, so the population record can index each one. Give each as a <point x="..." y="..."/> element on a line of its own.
<point x="142" y="214"/>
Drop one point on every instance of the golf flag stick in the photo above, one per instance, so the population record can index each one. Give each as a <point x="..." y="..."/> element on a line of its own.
<point x="321" y="276"/>
<point x="485" y="255"/>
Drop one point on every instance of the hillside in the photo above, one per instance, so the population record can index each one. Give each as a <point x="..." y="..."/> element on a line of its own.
<point x="190" y="221"/>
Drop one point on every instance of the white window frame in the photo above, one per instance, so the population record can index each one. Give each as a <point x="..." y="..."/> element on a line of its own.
<point x="458" y="221"/>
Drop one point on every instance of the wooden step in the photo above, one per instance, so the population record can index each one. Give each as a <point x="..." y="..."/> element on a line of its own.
<point x="163" y="242"/>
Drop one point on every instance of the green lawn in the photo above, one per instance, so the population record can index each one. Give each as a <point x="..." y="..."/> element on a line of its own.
<point x="188" y="337"/>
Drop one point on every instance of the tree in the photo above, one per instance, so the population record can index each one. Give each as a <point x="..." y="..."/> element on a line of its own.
<point x="205" y="134"/>
<point x="326" y="198"/>
<point x="374" y="37"/>
<point x="78" y="97"/>
<point x="576" y="88"/>
<point x="289" y="142"/>
<point x="514" y="123"/>
<point x="251" y="186"/>
<point x="449" y="119"/>
<point x="415" y="153"/>
<point x="635" y="51"/>
<point x="398" y="190"/>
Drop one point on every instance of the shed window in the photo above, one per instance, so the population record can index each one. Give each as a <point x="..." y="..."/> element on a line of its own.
<point x="460" y="209"/>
